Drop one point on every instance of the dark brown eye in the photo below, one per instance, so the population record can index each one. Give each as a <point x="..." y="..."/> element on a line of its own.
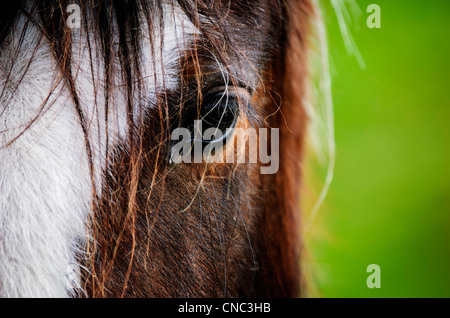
<point x="218" y="111"/>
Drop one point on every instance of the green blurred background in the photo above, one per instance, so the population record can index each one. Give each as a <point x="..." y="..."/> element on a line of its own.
<point x="389" y="202"/>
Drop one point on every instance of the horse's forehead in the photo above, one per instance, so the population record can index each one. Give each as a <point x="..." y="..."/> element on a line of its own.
<point x="160" y="52"/>
<point x="161" y="47"/>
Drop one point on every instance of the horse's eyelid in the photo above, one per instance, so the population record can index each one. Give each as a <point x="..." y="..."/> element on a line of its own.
<point x="231" y="90"/>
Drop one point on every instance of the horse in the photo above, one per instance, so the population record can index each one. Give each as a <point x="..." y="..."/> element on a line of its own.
<point x="91" y="204"/>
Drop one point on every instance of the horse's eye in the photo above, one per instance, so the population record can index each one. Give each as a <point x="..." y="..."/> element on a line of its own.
<point x="219" y="112"/>
<point x="213" y="120"/>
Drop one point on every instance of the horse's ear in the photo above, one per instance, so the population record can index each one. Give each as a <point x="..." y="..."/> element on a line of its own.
<point x="281" y="219"/>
